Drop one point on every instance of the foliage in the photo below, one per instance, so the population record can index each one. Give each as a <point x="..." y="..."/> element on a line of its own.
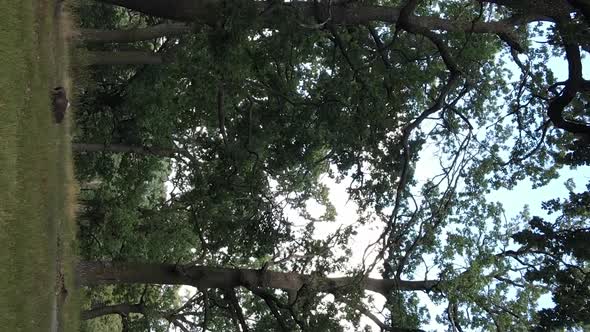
<point x="561" y="264"/>
<point x="258" y="109"/>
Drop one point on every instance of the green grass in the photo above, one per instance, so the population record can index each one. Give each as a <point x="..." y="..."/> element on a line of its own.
<point x="37" y="231"/>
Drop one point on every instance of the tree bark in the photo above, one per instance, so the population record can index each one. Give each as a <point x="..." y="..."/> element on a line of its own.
<point x="134" y="35"/>
<point x="211" y="11"/>
<point x="204" y="277"/>
<point x="548" y="8"/>
<point x="124" y="58"/>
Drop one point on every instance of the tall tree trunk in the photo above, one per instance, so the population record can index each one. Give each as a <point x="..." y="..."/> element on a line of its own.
<point x="124" y="58"/>
<point x="211" y="11"/>
<point x="203" y="277"/>
<point x="133" y="35"/>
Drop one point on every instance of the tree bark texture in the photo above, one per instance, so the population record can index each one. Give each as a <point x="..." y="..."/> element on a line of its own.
<point x="211" y="11"/>
<point x="204" y="277"/>
<point x="134" y="35"/>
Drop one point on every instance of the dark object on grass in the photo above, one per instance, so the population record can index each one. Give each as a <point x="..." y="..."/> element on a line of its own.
<point x="59" y="103"/>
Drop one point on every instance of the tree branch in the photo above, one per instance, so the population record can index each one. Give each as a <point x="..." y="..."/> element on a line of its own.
<point x="235" y="304"/>
<point x="204" y="277"/>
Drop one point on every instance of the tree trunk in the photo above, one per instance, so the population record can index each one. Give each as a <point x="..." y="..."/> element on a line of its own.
<point x="122" y="148"/>
<point x="133" y="35"/>
<point x="203" y="277"/>
<point x="124" y="58"/>
<point x="211" y="11"/>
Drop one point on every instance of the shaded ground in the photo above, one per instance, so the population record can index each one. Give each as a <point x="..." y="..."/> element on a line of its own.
<point x="37" y="228"/>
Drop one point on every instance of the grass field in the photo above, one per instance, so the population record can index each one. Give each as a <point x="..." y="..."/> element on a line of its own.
<point x="37" y="193"/>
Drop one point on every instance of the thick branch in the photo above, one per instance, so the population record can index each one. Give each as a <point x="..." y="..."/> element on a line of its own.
<point x="125" y="309"/>
<point x="202" y="277"/>
<point x="211" y="11"/>
<point x="573" y="85"/>
<point x="547" y="8"/>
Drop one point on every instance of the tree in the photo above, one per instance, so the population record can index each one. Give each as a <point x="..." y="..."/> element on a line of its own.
<point x="404" y="17"/>
<point x="569" y="280"/>
<point x="258" y="281"/>
<point x="556" y="254"/>
<point x="266" y="98"/>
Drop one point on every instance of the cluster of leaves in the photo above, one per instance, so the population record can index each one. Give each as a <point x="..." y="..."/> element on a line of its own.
<point x="561" y="262"/>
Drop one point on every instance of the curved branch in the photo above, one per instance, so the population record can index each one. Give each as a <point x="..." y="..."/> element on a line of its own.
<point x="123" y="309"/>
<point x="573" y="85"/>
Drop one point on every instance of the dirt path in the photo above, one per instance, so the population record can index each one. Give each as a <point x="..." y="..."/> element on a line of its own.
<point x="62" y="26"/>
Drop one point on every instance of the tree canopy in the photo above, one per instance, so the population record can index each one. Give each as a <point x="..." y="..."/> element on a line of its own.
<point x="246" y="107"/>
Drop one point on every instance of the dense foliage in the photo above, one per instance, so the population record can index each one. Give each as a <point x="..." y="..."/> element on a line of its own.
<point x="258" y="103"/>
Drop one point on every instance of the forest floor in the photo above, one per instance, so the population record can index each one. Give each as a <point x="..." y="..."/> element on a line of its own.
<point x="37" y="189"/>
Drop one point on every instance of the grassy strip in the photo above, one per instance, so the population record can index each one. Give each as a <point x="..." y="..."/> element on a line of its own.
<point x="35" y="171"/>
<point x="69" y="303"/>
